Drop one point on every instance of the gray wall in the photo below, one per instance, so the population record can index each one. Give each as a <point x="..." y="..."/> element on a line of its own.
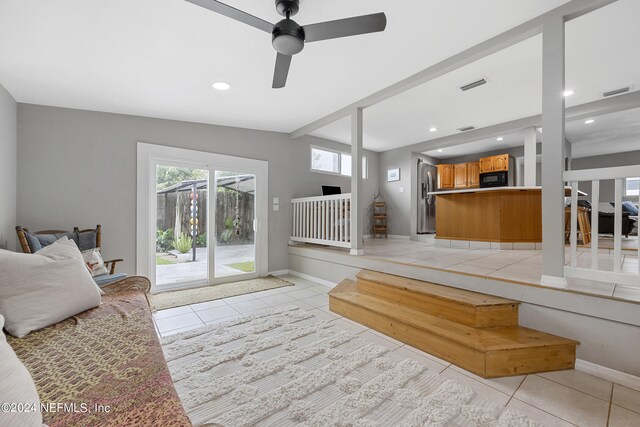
<point x="398" y="203"/>
<point x="607" y="188"/>
<point x="78" y="168"/>
<point x="8" y="161"/>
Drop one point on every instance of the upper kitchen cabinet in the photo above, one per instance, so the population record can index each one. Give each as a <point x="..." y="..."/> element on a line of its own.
<point x="473" y="174"/>
<point x="460" y="172"/>
<point x="494" y="163"/>
<point x="445" y="177"/>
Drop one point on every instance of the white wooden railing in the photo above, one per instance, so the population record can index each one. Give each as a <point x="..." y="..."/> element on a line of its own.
<point x="630" y="274"/>
<point x="322" y="220"/>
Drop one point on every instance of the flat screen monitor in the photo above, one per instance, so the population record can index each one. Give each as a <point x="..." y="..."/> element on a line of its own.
<point x="330" y="190"/>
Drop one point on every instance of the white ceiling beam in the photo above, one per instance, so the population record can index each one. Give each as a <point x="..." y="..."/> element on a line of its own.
<point x="578" y="112"/>
<point x="570" y="10"/>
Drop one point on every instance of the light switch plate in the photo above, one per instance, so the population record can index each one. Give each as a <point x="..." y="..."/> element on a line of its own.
<point x="276" y="200"/>
<point x="276" y="207"/>
<point x="401" y="189"/>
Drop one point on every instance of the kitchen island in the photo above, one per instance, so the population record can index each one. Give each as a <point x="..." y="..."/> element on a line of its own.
<point x="502" y="214"/>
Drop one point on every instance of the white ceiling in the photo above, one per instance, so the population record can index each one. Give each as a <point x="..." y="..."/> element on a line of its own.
<point x="159" y="58"/>
<point x="610" y="133"/>
<point x="600" y="56"/>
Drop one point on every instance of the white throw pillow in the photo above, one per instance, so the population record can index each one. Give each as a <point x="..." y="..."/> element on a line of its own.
<point x="17" y="389"/>
<point x="44" y="288"/>
<point x="94" y="262"/>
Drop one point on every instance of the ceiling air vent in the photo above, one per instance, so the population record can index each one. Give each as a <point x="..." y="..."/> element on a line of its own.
<point x="617" y="91"/>
<point x="466" y="128"/>
<point x="474" y="84"/>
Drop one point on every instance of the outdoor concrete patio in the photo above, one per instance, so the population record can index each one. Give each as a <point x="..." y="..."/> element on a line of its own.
<point x="189" y="271"/>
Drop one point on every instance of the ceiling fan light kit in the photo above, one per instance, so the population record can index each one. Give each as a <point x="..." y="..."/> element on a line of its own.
<point x="288" y="38"/>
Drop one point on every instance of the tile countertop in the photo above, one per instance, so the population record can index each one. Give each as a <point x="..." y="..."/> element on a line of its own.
<point x="512" y="188"/>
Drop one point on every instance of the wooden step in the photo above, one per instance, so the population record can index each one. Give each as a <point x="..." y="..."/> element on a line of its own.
<point x="465" y="307"/>
<point x="488" y="352"/>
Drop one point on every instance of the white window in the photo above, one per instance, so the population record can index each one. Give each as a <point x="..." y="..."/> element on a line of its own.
<point x="334" y="162"/>
<point x="632" y="187"/>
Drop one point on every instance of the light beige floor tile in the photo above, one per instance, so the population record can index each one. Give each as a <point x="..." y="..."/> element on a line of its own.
<point x="240" y="298"/>
<point x="627" y="292"/>
<point x="326" y="308"/>
<point x="278" y="299"/>
<point x="563" y="402"/>
<point x="479" y="388"/>
<point x="170" y="312"/>
<point x="209" y="304"/>
<point x="626" y="397"/>
<point x="621" y="417"/>
<point x="404" y="353"/>
<point x="348" y="325"/>
<point x="185" y="329"/>
<point x="507" y="385"/>
<point x="323" y="315"/>
<point x="471" y="269"/>
<point x="178" y="322"/>
<point x="301" y="305"/>
<point x="317" y="301"/>
<point x="217" y="313"/>
<point x="538" y="415"/>
<point x="301" y="294"/>
<point x="594" y="386"/>
<point x="249" y="306"/>
<point x="220" y="320"/>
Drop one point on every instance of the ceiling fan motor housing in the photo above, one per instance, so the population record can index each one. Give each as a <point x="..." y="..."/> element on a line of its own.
<point x="284" y="6"/>
<point x="288" y="37"/>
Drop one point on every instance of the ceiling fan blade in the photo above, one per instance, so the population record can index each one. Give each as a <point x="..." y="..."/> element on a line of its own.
<point x="234" y="13"/>
<point x="345" y="27"/>
<point x="282" y="71"/>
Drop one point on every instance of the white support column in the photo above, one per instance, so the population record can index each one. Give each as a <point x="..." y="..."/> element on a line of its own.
<point x="357" y="199"/>
<point x="553" y="143"/>
<point x="530" y="155"/>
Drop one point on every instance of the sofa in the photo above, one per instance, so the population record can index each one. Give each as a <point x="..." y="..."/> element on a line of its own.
<point x="606" y="222"/>
<point x="105" y="364"/>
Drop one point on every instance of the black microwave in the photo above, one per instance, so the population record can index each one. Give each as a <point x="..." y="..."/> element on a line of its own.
<point x="494" y="179"/>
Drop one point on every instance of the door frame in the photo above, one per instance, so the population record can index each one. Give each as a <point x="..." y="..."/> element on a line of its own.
<point x="148" y="156"/>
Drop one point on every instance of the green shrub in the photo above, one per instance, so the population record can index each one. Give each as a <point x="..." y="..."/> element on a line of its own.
<point x="164" y="240"/>
<point x="201" y="240"/>
<point x="183" y="243"/>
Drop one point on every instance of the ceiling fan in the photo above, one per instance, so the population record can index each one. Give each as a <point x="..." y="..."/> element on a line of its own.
<point x="288" y="37"/>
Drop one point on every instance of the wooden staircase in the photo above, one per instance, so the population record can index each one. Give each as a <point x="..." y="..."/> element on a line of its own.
<point x="477" y="332"/>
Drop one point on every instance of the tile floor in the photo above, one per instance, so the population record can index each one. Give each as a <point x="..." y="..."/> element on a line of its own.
<point x="567" y="398"/>
<point x="516" y="265"/>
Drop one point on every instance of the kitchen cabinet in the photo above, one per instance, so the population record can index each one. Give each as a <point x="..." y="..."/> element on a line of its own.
<point x="494" y="163"/>
<point x="445" y="177"/>
<point x="460" y="172"/>
<point x="473" y="175"/>
<point x="501" y="163"/>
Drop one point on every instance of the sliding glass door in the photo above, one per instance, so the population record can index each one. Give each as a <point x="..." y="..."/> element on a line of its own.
<point x="235" y="252"/>
<point x="203" y="217"/>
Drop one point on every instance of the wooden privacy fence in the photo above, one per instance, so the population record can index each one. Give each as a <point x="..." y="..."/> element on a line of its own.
<point x="224" y="213"/>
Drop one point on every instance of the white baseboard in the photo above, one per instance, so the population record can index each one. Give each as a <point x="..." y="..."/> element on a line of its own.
<point x="312" y="279"/>
<point x="398" y="236"/>
<point x="278" y="273"/>
<point x="618" y="377"/>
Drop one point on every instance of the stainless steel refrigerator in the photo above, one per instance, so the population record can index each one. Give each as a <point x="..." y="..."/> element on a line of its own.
<point x="427" y="179"/>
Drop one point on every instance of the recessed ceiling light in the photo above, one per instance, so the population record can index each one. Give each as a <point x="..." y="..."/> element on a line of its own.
<point x="568" y="92"/>
<point x="440" y="150"/>
<point x="221" y="86"/>
<point x="500" y="139"/>
<point x="433" y="129"/>
<point x="588" y="122"/>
